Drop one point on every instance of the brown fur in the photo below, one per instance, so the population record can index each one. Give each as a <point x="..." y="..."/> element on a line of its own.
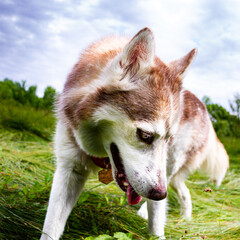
<point x="160" y="80"/>
<point x="138" y="104"/>
<point x="193" y="108"/>
<point x="127" y="76"/>
<point x="92" y="61"/>
<point x="194" y="111"/>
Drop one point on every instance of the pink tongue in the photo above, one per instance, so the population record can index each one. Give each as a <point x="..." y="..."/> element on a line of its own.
<point x="133" y="197"/>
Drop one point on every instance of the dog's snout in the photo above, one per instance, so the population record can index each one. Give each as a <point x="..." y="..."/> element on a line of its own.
<point x="157" y="194"/>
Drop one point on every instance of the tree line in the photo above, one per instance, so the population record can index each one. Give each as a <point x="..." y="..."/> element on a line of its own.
<point x="225" y="123"/>
<point x="18" y="92"/>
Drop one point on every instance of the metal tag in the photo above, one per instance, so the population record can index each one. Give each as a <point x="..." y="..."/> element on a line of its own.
<point x="105" y="176"/>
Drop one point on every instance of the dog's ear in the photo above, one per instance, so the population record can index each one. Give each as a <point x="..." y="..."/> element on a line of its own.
<point x="178" y="67"/>
<point x="138" y="54"/>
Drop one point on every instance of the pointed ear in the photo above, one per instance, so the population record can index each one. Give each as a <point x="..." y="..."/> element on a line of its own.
<point x="178" y="67"/>
<point x="138" y="54"/>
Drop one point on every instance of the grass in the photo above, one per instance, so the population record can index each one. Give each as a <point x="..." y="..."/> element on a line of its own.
<point x="26" y="170"/>
<point x="24" y="118"/>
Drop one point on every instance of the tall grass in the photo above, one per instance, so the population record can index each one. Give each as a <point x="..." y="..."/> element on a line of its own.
<point x="14" y="115"/>
<point x="26" y="170"/>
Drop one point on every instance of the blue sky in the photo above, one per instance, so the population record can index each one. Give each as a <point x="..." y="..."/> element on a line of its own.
<point x="41" y="40"/>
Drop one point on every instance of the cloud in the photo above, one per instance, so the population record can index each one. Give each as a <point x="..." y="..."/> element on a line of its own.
<point x="217" y="36"/>
<point x="41" y="40"/>
<point x="212" y="27"/>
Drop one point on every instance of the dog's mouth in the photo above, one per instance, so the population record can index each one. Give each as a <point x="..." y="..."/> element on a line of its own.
<point x="121" y="177"/>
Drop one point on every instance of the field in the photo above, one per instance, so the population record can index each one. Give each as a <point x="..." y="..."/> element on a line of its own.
<point x="26" y="171"/>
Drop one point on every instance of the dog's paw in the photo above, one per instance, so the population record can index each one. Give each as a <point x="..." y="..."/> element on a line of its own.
<point x="187" y="216"/>
<point x="142" y="212"/>
<point x="143" y="215"/>
<point x="161" y="238"/>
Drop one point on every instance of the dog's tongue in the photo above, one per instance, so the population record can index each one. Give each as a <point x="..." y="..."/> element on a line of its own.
<point x="133" y="197"/>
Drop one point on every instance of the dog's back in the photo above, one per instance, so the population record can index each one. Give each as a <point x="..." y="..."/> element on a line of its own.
<point x="196" y="146"/>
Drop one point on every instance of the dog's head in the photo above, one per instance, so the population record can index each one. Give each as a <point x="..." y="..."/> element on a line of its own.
<point x="131" y="118"/>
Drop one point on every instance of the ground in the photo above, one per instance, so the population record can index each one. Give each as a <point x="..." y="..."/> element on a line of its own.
<point x="26" y="170"/>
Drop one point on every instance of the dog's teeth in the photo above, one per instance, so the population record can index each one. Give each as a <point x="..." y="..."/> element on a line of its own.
<point x="125" y="184"/>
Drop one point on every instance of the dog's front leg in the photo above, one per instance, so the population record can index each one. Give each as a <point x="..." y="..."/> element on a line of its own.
<point x="183" y="193"/>
<point x="157" y="217"/>
<point x="66" y="188"/>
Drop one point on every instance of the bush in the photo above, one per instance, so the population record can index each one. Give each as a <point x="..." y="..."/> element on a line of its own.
<point x="224" y="123"/>
<point x="26" y="118"/>
<point x="18" y="92"/>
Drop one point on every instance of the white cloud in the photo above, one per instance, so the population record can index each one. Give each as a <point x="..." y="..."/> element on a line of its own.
<point x="172" y="22"/>
<point x="213" y="28"/>
<point x="41" y="40"/>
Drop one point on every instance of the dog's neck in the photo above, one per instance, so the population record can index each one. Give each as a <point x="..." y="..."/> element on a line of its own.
<point x="102" y="162"/>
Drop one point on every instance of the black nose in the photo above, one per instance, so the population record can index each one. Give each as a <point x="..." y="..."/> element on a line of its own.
<point x="157" y="194"/>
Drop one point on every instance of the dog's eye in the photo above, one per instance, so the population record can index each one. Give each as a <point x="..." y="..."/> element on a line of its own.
<point x="145" y="137"/>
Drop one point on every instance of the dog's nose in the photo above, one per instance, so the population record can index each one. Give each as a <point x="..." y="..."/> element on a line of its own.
<point x="157" y="194"/>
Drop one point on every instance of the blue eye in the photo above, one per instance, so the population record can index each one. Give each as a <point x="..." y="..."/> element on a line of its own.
<point x="144" y="136"/>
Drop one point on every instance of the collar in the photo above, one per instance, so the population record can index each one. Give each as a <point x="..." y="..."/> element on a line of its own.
<point x="102" y="162"/>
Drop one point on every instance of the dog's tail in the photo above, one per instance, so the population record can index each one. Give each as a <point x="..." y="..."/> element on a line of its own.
<point x="217" y="160"/>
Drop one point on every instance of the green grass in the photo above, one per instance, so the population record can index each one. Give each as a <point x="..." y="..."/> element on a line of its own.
<point x="25" y="118"/>
<point x="26" y="170"/>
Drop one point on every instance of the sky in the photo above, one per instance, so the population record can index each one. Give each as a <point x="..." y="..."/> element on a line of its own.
<point x="40" y="41"/>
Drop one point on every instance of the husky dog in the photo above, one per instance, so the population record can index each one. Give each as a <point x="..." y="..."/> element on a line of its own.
<point x="123" y="104"/>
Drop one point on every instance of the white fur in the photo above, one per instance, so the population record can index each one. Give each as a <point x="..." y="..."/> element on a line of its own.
<point x="143" y="212"/>
<point x="73" y="168"/>
<point x="145" y="126"/>
<point x="133" y="152"/>
<point x="155" y="212"/>
<point x="183" y="193"/>
<point x="157" y="217"/>
<point x="161" y="127"/>
<point x="147" y="166"/>
<point x="217" y="161"/>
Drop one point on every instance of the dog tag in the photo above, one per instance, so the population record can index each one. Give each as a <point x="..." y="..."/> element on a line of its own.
<point x="105" y="176"/>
